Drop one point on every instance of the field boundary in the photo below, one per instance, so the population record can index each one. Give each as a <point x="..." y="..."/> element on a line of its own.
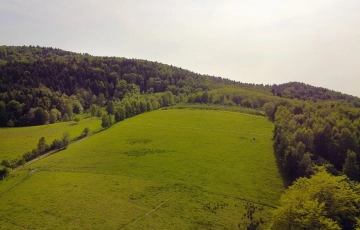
<point x="46" y="155"/>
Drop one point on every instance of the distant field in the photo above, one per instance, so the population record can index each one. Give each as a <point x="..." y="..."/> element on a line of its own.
<point x="16" y="141"/>
<point x="167" y="169"/>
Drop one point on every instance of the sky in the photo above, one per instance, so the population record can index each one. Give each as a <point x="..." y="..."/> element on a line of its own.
<point x="255" y="41"/>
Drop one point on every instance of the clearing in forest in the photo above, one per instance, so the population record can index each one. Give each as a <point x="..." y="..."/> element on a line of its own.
<point x="174" y="169"/>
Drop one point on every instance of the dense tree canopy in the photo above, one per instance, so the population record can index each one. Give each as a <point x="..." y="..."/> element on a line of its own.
<point x="33" y="78"/>
<point x="321" y="202"/>
<point x="323" y="131"/>
<point x="296" y="90"/>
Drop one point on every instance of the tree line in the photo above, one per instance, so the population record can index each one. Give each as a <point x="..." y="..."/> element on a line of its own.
<point x="322" y="133"/>
<point x="42" y="148"/>
<point x="40" y="84"/>
<point x="44" y="84"/>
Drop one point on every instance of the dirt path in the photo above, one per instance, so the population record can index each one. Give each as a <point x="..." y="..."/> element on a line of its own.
<point x="152" y="210"/>
<point x="20" y="182"/>
<point x="43" y="156"/>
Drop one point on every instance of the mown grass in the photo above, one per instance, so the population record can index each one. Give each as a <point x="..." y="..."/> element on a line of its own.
<point x="175" y="169"/>
<point x="18" y="140"/>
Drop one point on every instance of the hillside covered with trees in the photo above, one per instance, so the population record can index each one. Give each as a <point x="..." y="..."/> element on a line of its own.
<point x="316" y="134"/>
<point x="313" y="126"/>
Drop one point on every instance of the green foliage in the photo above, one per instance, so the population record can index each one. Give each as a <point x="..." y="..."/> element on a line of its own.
<point x="93" y="110"/>
<point x="110" y="108"/>
<point x="77" y="118"/>
<point x="16" y="141"/>
<point x="63" y="143"/>
<point x="65" y="140"/>
<point x="3" y="113"/>
<point x="4" y="171"/>
<point x="41" y="116"/>
<point x="322" y="130"/>
<point x="77" y="107"/>
<point x="42" y="146"/>
<point x="65" y="117"/>
<point x="13" y="163"/>
<point x="107" y="121"/>
<point x="120" y="113"/>
<point x="71" y="83"/>
<point x="306" y="165"/>
<point x="296" y="90"/>
<point x="54" y="116"/>
<point x="246" y="103"/>
<point x="321" y="202"/>
<point x="350" y="168"/>
<point x="85" y="132"/>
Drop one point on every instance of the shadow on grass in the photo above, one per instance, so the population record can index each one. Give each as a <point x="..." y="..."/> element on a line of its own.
<point x="286" y="180"/>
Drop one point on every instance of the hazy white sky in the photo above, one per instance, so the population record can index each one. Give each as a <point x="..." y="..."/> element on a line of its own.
<point x="257" y="41"/>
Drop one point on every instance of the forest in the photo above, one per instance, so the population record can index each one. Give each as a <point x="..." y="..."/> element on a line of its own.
<point x="42" y="85"/>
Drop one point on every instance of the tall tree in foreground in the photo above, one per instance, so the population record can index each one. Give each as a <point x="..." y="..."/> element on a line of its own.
<point x="320" y="202"/>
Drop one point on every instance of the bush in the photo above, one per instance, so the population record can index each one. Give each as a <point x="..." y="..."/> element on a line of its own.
<point x="107" y="121"/>
<point x="57" y="144"/>
<point x="63" y="143"/>
<point x="77" y="118"/>
<point x="4" y="171"/>
<point x="85" y="132"/>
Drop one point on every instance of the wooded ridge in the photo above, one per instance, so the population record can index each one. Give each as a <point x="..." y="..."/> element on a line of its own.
<point x="313" y="125"/>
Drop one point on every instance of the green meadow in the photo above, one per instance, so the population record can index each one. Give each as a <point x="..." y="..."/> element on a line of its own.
<point x="18" y="140"/>
<point x="175" y="169"/>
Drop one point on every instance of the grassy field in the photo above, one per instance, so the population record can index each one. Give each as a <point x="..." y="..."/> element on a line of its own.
<point x="174" y="169"/>
<point x="229" y="108"/>
<point x="16" y="141"/>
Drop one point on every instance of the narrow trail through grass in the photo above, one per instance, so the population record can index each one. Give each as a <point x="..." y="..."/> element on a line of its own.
<point x="18" y="140"/>
<point x="29" y="174"/>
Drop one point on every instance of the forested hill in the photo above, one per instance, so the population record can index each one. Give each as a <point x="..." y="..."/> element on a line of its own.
<point x="39" y="77"/>
<point x="297" y="90"/>
<point x="313" y="126"/>
<point x="29" y="67"/>
<point x="58" y="70"/>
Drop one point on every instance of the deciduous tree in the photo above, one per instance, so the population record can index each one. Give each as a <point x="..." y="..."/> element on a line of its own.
<point x="320" y="202"/>
<point x="350" y="167"/>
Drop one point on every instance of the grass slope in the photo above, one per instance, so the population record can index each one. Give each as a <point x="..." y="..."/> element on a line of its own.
<point x="176" y="169"/>
<point x="18" y="140"/>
